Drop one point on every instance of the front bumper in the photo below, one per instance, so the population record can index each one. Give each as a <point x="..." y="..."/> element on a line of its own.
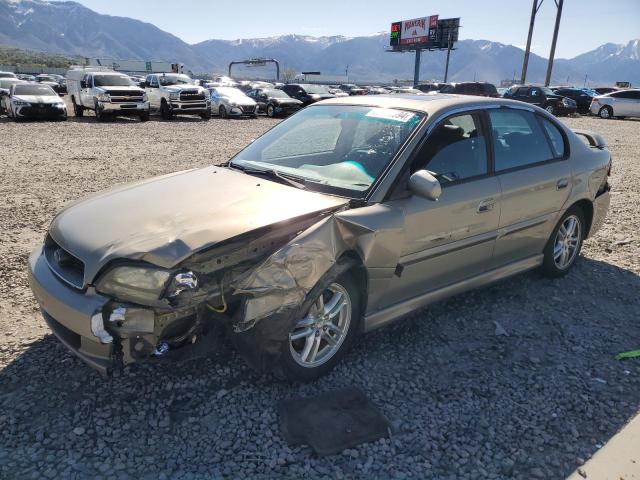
<point x="190" y="108"/>
<point x="68" y="312"/>
<point x="242" y="110"/>
<point x="127" y="108"/>
<point x="39" y="111"/>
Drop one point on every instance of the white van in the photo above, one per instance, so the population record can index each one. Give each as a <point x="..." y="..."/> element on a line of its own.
<point x="106" y="92"/>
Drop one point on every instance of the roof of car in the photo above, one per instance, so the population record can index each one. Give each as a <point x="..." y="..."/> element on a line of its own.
<point x="420" y="103"/>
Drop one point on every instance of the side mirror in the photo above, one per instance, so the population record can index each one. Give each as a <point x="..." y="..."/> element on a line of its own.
<point x="83" y="84"/>
<point x="425" y="185"/>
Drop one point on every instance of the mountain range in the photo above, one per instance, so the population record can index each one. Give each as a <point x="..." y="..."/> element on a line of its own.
<point x="69" y="28"/>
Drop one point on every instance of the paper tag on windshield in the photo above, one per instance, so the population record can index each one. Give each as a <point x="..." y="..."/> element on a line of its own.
<point x="390" y="114"/>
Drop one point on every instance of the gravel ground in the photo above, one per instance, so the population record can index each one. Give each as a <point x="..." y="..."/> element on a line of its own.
<point x="465" y="400"/>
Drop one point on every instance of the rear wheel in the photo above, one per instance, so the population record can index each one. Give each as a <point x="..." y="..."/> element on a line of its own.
<point x="565" y="243"/>
<point x="605" y="112"/>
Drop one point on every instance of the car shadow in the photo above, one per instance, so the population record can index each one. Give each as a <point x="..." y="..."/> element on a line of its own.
<point x="543" y="391"/>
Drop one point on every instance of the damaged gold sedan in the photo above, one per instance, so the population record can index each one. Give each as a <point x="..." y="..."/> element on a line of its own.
<point x="342" y="218"/>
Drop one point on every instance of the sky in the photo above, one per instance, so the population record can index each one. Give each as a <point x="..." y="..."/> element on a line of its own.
<point x="586" y="24"/>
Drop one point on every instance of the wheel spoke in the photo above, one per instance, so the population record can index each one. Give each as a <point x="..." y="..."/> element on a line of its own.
<point x="305" y="332"/>
<point x="335" y="305"/>
<point x="307" y="347"/>
<point x="329" y="339"/>
<point x="315" y="345"/>
<point x="557" y="251"/>
<point x="565" y="256"/>
<point x="335" y="329"/>
<point x="306" y="322"/>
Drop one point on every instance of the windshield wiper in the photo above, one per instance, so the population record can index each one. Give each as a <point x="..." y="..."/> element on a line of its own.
<point x="273" y="173"/>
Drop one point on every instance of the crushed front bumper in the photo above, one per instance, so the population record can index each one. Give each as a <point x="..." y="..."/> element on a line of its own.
<point x="68" y="312"/>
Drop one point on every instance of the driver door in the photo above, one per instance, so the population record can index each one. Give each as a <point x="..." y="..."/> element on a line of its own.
<point x="86" y="98"/>
<point x="153" y="91"/>
<point x="451" y="239"/>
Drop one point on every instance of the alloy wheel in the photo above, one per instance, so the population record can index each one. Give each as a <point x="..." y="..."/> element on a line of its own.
<point x="318" y="336"/>
<point x="567" y="242"/>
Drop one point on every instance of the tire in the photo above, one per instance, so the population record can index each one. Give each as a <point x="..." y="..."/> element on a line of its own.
<point x="605" y="112"/>
<point x="551" y="109"/>
<point x="206" y="115"/>
<point x="144" y="117"/>
<point x="78" y="110"/>
<point x="165" y="111"/>
<point x="100" y="116"/>
<point x="222" y="112"/>
<point x="290" y="364"/>
<point x="271" y="111"/>
<point x="555" y="264"/>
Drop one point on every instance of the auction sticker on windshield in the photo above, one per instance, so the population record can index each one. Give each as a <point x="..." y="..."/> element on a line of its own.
<point x="390" y="114"/>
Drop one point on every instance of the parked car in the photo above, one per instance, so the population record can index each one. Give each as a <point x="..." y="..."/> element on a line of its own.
<point x="174" y="94"/>
<point x="406" y="91"/>
<point x="247" y="86"/>
<point x="50" y="81"/>
<point x="581" y="97"/>
<point x="375" y="90"/>
<point x="23" y="76"/>
<point x="274" y="102"/>
<point x="430" y="87"/>
<point x="605" y="90"/>
<point x="107" y="93"/>
<point x="483" y="89"/>
<point x="335" y="90"/>
<point x="7" y="75"/>
<point x="33" y="101"/>
<point x="307" y="93"/>
<point x="352" y="89"/>
<point x="620" y="104"/>
<point x="224" y="81"/>
<point x="5" y="85"/>
<point x="544" y="98"/>
<point x="232" y="102"/>
<point x="325" y="227"/>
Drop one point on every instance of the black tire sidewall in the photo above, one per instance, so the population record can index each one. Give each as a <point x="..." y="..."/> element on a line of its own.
<point x="608" y="109"/>
<point x="294" y="372"/>
<point x="549" y="266"/>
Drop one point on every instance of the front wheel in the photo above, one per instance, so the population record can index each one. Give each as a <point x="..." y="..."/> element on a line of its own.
<point x="271" y="111"/>
<point x="165" y="111"/>
<point x="550" y="109"/>
<point x="222" y="112"/>
<point x="78" y="110"/>
<point x="206" y="115"/>
<point x="565" y="243"/>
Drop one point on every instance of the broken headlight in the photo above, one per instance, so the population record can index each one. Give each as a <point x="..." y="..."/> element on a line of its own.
<point x="141" y="285"/>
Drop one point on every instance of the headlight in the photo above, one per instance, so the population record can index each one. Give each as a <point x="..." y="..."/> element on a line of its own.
<point x="103" y="97"/>
<point x="135" y="284"/>
<point x="567" y="102"/>
<point x="20" y="103"/>
<point x="174" y="96"/>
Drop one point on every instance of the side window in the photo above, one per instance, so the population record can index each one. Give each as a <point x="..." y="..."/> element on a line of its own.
<point x="455" y="150"/>
<point x="555" y="136"/>
<point x="153" y="81"/>
<point x="518" y="139"/>
<point x="522" y="92"/>
<point x="635" y="95"/>
<point x="535" y="92"/>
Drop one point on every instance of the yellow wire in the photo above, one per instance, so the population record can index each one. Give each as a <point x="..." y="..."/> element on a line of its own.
<point x="224" y="303"/>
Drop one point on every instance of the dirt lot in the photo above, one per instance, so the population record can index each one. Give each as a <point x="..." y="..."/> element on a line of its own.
<point x="464" y="401"/>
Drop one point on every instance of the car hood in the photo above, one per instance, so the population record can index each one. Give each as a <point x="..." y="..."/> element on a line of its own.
<point x="38" y="98"/>
<point x="286" y="101"/>
<point x="239" y="101"/>
<point x="164" y="220"/>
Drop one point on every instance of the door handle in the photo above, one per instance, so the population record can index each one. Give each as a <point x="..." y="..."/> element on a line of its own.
<point x="562" y="183"/>
<point x="486" y="205"/>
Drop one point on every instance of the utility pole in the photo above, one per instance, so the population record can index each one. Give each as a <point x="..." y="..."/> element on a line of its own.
<point x="534" y="10"/>
<point x="553" y="43"/>
<point x="416" y="71"/>
<point x="446" y="68"/>
<point x="346" y="72"/>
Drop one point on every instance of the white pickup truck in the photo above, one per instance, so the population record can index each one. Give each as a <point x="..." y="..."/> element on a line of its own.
<point x="106" y="92"/>
<point x="176" y="94"/>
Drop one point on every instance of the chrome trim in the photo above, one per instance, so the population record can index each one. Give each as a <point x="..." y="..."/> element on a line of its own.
<point x="382" y="317"/>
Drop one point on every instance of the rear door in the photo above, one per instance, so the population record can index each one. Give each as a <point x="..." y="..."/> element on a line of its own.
<point x="86" y="87"/>
<point x="530" y="161"/>
<point x="451" y="239"/>
<point x="634" y="105"/>
<point x="153" y="91"/>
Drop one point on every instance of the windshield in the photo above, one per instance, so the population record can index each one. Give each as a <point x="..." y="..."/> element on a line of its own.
<point x="7" y="75"/>
<point x="316" y="89"/>
<point x="336" y="148"/>
<point x="230" y="92"/>
<point x="175" y="79"/>
<point x="7" y="82"/>
<point x="111" y="81"/>
<point x="32" y="89"/>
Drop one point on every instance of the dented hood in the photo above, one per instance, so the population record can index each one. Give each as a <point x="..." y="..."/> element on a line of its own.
<point x="166" y="219"/>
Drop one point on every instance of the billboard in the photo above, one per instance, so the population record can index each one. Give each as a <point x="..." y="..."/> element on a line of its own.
<point x="424" y="32"/>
